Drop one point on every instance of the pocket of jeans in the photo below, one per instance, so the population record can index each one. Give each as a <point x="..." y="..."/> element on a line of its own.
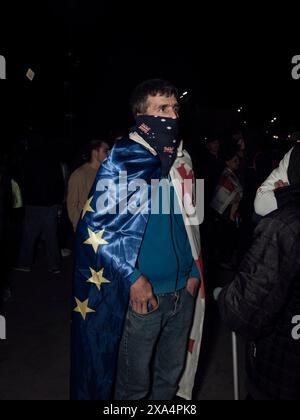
<point x="148" y="313"/>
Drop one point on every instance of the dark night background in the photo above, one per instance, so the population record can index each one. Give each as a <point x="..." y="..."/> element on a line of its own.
<point x="88" y="55"/>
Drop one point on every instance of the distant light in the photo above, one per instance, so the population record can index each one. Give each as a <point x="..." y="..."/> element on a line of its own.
<point x="184" y="94"/>
<point x="30" y="74"/>
<point x="245" y="122"/>
<point x="289" y="136"/>
<point x="275" y="137"/>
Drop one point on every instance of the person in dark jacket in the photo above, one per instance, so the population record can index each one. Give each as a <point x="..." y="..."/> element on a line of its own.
<point x="263" y="302"/>
<point x="43" y="190"/>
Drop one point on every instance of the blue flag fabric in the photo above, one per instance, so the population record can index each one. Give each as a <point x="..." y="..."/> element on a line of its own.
<point x="107" y="247"/>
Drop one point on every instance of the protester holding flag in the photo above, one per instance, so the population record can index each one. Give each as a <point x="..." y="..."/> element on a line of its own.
<point x="225" y="203"/>
<point x="138" y="272"/>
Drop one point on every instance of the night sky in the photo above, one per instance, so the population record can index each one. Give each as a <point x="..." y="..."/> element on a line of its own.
<point x="88" y="55"/>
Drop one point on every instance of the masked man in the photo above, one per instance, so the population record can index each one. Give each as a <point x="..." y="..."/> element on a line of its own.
<point x="138" y="269"/>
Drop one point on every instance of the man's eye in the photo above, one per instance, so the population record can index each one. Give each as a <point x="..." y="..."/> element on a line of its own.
<point x="163" y="108"/>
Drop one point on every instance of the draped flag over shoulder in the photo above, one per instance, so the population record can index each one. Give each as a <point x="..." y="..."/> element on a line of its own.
<point x="107" y="245"/>
<point x="181" y="171"/>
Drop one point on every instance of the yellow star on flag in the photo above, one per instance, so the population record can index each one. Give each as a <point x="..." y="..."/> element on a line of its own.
<point x="95" y="239"/>
<point x="97" y="278"/>
<point x="87" y="207"/>
<point x="82" y="308"/>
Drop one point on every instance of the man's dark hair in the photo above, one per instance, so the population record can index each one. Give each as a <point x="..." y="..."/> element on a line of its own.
<point x="152" y="87"/>
<point x="94" y="144"/>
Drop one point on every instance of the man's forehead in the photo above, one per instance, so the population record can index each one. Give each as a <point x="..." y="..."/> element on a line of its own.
<point x="162" y="99"/>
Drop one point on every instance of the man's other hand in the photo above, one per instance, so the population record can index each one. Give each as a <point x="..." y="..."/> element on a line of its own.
<point x="192" y="285"/>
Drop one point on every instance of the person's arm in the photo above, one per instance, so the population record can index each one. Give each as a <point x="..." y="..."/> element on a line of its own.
<point x="234" y="207"/>
<point x="265" y="200"/>
<point x="73" y="200"/>
<point x="250" y="304"/>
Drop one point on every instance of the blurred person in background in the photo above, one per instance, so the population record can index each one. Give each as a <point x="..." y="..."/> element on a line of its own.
<point x="42" y="188"/>
<point x="82" y="179"/>
<point x="225" y="203"/>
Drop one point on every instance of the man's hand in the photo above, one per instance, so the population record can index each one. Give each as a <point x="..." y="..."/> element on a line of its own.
<point x="192" y="285"/>
<point x="141" y="294"/>
<point x="280" y="184"/>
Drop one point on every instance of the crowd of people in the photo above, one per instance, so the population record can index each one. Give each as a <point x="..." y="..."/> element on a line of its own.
<point x="139" y="282"/>
<point x="40" y="204"/>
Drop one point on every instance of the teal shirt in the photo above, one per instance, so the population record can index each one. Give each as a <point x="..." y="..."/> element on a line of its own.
<point x="165" y="257"/>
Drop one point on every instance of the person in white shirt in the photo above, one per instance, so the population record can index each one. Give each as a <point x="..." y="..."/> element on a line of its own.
<point x="265" y="200"/>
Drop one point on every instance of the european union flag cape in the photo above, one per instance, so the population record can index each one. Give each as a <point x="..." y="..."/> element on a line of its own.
<point x="107" y="246"/>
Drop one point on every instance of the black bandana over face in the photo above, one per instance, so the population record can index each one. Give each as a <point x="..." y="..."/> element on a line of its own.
<point x="161" y="133"/>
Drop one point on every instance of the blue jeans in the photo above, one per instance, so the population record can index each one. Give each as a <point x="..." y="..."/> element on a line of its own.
<point x="153" y="349"/>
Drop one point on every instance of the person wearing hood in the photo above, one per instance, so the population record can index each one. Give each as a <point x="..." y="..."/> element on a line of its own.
<point x="263" y="301"/>
<point x="135" y="287"/>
